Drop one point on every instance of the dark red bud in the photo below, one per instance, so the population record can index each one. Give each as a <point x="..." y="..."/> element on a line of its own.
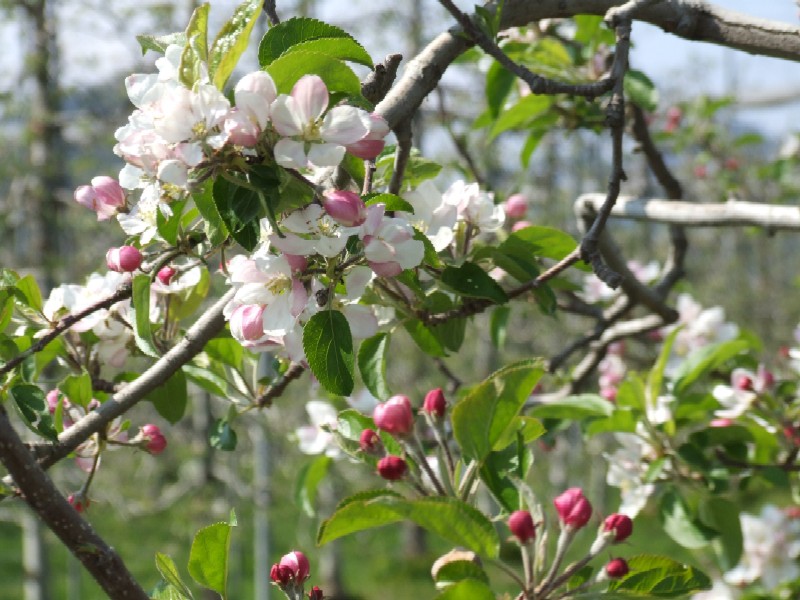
<point x="521" y="525"/>
<point x="617" y="568"/>
<point x="435" y="403"/>
<point x="392" y="468"/>
<point x="620" y="524"/>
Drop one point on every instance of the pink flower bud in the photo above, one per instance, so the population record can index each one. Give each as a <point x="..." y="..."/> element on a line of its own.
<point x="621" y="525"/>
<point x="617" y="568"/>
<point x="297" y="564"/>
<point x="731" y="164"/>
<point x="247" y="322"/>
<point x="241" y="131"/>
<point x="392" y="468"/>
<point x="520" y="225"/>
<point x="315" y="594"/>
<point x="521" y="525"/>
<point x="435" y="404"/>
<point x="125" y="259"/>
<point x="165" y="274"/>
<point x="280" y="575"/>
<point x="573" y="508"/>
<point x="371" y="145"/>
<point x="395" y="416"/>
<point x="79" y="502"/>
<point x="155" y="442"/>
<point x="516" y="206"/>
<point x="105" y="196"/>
<point x="722" y="422"/>
<point x="346" y="208"/>
<point x="370" y="442"/>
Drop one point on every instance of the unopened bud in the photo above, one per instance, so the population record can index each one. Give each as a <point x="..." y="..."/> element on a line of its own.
<point x="165" y="274"/>
<point x="392" y="468"/>
<point x="297" y="564"/>
<point x="154" y="440"/>
<point x="516" y="206"/>
<point x="617" y="568"/>
<point x="125" y="259"/>
<point x="315" y="594"/>
<point x="620" y="525"/>
<point x="370" y="442"/>
<point x="79" y="501"/>
<point x="435" y="404"/>
<point x="521" y="525"/>
<point x="395" y="416"/>
<point x="346" y="208"/>
<point x="573" y="508"/>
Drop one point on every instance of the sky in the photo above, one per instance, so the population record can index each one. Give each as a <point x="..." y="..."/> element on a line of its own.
<point x="679" y="67"/>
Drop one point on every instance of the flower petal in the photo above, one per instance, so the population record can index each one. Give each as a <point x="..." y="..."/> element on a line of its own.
<point x="311" y="95"/>
<point x="344" y="125"/>
<point x="290" y="154"/>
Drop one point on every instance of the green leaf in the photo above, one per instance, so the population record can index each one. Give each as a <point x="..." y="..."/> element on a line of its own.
<point x="32" y="405"/>
<point x="209" y="381"/>
<point x="528" y="428"/>
<point x="195" y="52"/>
<point x="519" y="115"/>
<point x="328" y="345"/>
<point x="723" y="515"/>
<point x="168" y="227"/>
<point x="226" y="350"/>
<point x="502" y="470"/>
<point x="160" y="43"/>
<point x="184" y="304"/>
<point x="574" y="408"/>
<point x="308" y="480"/>
<point x="241" y="209"/>
<point x="208" y="558"/>
<point x="338" y="77"/>
<point x="547" y="242"/>
<point x="391" y="201"/>
<point x="481" y="418"/>
<point x="458" y="570"/>
<point x="470" y="280"/>
<point x="231" y="42"/>
<point x="660" y="577"/>
<point x="165" y="591"/>
<point x="499" y="83"/>
<point x="140" y="306"/>
<point x="450" y="518"/>
<point x="30" y="289"/>
<point x="372" y="365"/>
<point x="351" y="423"/>
<point x="498" y="326"/>
<point x="681" y="525"/>
<point x="166" y="566"/>
<point x="656" y="375"/>
<point x="365" y="510"/>
<point x="78" y="388"/>
<point x="215" y="228"/>
<point x="297" y="31"/>
<point x="341" y="48"/>
<point x="424" y="338"/>
<point x="222" y="436"/>
<point x="703" y="361"/>
<point x="170" y="397"/>
<point x="467" y="589"/>
<point x="641" y="90"/>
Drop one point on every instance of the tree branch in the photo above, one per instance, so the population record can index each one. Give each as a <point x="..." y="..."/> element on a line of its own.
<point x="697" y="21"/>
<point x="60" y="516"/>
<point x="772" y="217"/>
<point x="206" y="327"/>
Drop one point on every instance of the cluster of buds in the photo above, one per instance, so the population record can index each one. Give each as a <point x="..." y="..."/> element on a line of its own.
<point x="396" y="417"/>
<point x="574" y="513"/>
<point x="290" y="575"/>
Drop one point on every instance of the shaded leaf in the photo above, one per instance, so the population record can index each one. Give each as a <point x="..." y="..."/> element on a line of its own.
<point x="372" y="365"/>
<point x="328" y="345"/>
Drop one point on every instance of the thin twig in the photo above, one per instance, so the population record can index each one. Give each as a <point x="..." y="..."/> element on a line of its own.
<point x="536" y="83"/>
<point x="277" y="388"/>
<point x="272" y="12"/>
<point x="402" y="153"/>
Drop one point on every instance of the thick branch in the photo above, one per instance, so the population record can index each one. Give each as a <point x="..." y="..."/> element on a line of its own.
<point x="690" y="214"/>
<point x="60" y="516"/>
<point x="696" y="21"/>
<point x="192" y="344"/>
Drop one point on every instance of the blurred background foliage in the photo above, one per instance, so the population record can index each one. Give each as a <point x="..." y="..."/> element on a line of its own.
<point x="59" y="107"/>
